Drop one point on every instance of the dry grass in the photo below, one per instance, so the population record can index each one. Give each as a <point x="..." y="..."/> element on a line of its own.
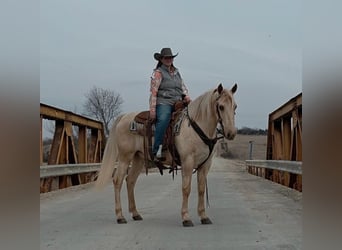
<point x="239" y="147"/>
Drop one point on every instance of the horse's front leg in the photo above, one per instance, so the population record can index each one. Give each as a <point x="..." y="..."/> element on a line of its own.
<point x="186" y="189"/>
<point x="131" y="180"/>
<point x="119" y="175"/>
<point x="201" y="183"/>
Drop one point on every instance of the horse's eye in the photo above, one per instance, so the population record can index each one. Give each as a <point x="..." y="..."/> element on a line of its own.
<point x="221" y="107"/>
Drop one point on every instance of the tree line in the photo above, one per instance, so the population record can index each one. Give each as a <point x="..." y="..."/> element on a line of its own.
<point x="251" y="131"/>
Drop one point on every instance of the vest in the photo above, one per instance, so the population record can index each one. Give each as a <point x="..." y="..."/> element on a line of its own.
<point x="170" y="89"/>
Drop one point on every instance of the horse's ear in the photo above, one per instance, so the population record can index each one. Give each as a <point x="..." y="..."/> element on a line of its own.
<point x="234" y="88"/>
<point x="220" y="88"/>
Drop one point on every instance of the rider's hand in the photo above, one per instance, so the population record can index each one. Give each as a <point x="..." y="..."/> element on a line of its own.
<point x="187" y="99"/>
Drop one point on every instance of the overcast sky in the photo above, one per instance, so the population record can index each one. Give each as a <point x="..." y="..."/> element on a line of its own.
<point x="110" y="44"/>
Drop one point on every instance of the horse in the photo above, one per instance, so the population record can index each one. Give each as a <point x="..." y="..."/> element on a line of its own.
<point x="216" y="106"/>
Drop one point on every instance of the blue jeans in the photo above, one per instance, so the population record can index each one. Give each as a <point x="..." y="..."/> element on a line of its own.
<point x="163" y="117"/>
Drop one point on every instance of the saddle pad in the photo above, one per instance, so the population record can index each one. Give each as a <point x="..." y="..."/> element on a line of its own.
<point x="139" y="128"/>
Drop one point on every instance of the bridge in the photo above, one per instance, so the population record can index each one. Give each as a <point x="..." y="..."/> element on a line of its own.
<point x="254" y="204"/>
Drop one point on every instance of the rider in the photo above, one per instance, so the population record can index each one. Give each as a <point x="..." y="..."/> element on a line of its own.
<point x="167" y="87"/>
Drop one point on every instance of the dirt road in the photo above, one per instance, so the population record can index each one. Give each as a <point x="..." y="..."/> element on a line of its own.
<point x="247" y="212"/>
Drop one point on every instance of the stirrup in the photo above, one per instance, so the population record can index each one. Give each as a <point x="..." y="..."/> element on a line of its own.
<point x="162" y="158"/>
<point x="171" y="169"/>
<point x="160" y="166"/>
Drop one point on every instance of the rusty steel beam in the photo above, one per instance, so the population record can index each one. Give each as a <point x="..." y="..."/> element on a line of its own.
<point x="287" y="108"/>
<point x="82" y="144"/>
<point x="284" y="143"/>
<point x="284" y="140"/>
<point x="63" y="148"/>
<point x="53" y="113"/>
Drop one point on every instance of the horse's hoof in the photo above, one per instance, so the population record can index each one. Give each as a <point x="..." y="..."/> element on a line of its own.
<point x="188" y="223"/>
<point x="137" y="217"/>
<point x="206" y="221"/>
<point x="121" y="221"/>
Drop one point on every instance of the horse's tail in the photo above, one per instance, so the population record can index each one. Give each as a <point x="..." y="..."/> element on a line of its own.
<point x="109" y="159"/>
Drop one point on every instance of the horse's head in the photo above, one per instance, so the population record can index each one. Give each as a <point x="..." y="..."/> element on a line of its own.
<point x="225" y="110"/>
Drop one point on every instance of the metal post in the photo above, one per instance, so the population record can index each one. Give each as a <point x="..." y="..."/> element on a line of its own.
<point x="250" y="150"/>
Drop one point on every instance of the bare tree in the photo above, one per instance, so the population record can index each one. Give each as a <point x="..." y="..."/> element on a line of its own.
<point x="103" y="105"/>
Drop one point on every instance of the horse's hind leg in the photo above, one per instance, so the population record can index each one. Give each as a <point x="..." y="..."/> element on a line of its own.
<point x="201" y="183"/>
<point x="119" y="175"/>
<point x="133" y="174"/>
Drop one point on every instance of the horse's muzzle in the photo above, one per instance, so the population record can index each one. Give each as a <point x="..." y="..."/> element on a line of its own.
<point x="231" y="134"/>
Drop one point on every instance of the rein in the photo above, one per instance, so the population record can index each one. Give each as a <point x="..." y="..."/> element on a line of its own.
<point x="208" y="141"/>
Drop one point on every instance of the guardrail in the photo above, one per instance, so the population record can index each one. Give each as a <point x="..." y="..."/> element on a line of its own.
<point x="68" y="169"/>
<point x="287" y="173"/>
<point x="53" y="177"/>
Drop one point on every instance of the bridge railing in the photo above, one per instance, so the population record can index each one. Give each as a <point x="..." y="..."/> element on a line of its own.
<point x="75" y="151"/>
<point x="284" y="146"/>
<point x="287" y="173"/>
<point x="293" y="167"/>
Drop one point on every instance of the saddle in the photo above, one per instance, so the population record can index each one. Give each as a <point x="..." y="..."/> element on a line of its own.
<point x="144" y="126"/>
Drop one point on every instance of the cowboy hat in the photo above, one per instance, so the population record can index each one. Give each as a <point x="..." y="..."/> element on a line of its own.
<point x="164" y="52"/>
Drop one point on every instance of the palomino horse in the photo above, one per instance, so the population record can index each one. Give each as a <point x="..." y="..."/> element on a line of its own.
<point x="207" y="111"/>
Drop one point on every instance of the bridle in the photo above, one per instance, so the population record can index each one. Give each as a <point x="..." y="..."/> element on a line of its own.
<point x="219" y="119"/>
<point x="210" y="142"/>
